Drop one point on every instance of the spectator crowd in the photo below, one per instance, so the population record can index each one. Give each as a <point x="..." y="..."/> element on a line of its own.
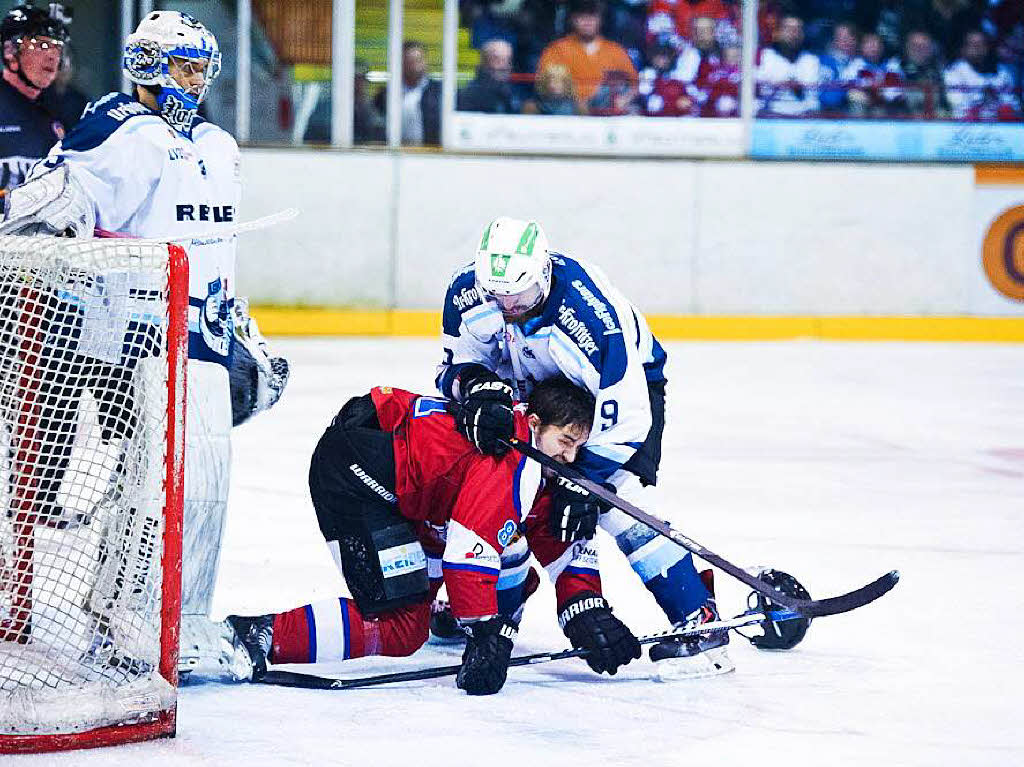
<point x="893" y="59"/>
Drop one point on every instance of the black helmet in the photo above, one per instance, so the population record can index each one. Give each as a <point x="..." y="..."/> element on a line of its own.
<point x="27" y="21"/>
<point x="780" y="634"/>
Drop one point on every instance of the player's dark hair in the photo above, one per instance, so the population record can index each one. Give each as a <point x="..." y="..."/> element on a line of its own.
<point x="559" y="402"/>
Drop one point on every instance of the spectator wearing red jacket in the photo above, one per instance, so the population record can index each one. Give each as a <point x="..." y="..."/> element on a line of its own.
<point x="675" y="17"/>
<point x="661" y="93"/>
<point x="721" y="84"/>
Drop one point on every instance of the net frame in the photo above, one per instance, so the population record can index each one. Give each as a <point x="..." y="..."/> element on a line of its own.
<point x="161" y="722"/>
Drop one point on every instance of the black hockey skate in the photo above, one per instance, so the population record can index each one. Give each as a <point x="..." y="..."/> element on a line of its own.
<point x="699" y="655"/>
<point x="444" y="629"/>
<point x="255" y="634"/>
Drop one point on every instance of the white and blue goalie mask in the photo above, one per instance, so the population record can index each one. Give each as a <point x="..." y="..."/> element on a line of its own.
<point x="178" y="55"/>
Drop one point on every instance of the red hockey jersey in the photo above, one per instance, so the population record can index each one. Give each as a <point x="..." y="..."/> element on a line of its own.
<point x="441" y="479"/>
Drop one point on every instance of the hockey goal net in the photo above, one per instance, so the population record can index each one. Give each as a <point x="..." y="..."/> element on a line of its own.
<point x="92" y="365"/>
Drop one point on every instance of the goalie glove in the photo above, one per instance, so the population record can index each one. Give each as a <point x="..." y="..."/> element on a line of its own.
<point x="53" y="202"/>
<point x="257" y="379"/>
<point x="574" y="511"/>
<point x="486" y="657"/>
<point x="588" y="623"/>
<point x="485" y="417"/>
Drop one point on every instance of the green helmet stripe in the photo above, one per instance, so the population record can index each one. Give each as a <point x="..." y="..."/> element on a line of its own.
<point x="487" y="237"/>
<point x="525" y="246"/>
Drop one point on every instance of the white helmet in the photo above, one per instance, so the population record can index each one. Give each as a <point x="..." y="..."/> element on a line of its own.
<point x="164" y="36"/>
<point x="513" y="266"/>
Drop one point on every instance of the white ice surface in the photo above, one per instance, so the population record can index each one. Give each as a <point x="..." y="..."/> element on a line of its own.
<point x="835" y="462"/>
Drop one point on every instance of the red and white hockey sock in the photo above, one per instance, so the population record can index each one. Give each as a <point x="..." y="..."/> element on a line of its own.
<point x="334" y="630"/>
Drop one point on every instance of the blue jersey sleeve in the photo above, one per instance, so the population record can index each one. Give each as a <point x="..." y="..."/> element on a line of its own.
<point x="471" y="330"/>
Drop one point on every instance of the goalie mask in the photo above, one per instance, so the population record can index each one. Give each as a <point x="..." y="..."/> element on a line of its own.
<point x="513" y="266"/>
<point x="176" y="57"/>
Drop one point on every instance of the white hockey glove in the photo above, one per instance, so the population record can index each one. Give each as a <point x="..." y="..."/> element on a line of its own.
<point x="54" y="202"/>
<point x="257" y="379"/>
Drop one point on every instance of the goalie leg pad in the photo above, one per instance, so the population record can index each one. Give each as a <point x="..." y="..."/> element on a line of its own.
<point x="351" y="481"/>
<point x="207" y="475"/>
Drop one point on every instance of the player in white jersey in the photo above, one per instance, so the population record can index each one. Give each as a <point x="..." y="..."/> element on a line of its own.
<point x="520" y="314"/>
<point x="148" y="166"/>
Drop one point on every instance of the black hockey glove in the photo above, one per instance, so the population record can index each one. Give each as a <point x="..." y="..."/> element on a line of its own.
<point x="588" y="622"/>
<point x="574" y="511"/>
<point x="485" y="415"/>
<point x="485" y="659"/>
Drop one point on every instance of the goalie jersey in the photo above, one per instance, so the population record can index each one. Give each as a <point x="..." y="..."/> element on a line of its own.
<point x="146" y="180"/>
<point x="587" y="332"/>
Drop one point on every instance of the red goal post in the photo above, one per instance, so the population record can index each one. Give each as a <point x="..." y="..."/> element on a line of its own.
<point x="93" y="354"/>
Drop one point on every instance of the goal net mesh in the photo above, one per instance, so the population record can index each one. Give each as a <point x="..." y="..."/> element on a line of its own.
<point x="84" y="467"/>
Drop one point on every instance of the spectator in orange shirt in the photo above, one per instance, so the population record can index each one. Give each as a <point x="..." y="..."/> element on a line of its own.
<point x="586" y="54"/>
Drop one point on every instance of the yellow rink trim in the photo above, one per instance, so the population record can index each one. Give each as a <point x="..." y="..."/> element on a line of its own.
<point x="281" y="321"/>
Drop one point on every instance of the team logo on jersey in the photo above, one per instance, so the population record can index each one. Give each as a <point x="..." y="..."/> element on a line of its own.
<point x="509" y="533"/>
<point x="215" y="319"/>
<point x="176" y="113"/>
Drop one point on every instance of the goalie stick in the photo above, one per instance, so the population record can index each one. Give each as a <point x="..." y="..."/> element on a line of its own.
<point x="315" y="682"/>
<point x="808" y="608"/>
<point x="264" y="222"/>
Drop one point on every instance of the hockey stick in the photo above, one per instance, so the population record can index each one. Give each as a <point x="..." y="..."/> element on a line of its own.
<point x="264" y="222"/>
<point x="315" y="682"/>
<point x="809" y="608"/>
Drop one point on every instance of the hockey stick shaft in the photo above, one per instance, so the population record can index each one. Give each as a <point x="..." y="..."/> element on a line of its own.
<point x="315" y="682"/>
<point x="264" y="222"/>
<point x="809" y="608"/>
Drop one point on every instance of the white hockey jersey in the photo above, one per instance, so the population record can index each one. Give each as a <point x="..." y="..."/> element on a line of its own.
<point x="588" y="332"/>
<point x="966" y="87"/>
<point x="149" y="181"/>
<point x="788" y="87"/>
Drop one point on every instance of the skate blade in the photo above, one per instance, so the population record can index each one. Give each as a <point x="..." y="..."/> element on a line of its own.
<point x="712" y="662"/>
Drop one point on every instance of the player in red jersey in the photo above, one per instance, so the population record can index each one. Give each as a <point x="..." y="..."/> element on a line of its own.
<point x="405" y="503"/>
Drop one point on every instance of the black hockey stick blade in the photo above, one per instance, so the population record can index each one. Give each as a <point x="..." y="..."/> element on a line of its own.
<point x="315" y="682"/>
<point x="809" y="608"/>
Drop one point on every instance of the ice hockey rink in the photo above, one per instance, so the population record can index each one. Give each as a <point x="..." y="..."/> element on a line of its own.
<point x="833" y="461"/>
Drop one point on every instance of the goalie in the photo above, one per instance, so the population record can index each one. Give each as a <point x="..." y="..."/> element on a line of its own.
<point x="146" y="165"/>
<point x="404" y="502"/>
